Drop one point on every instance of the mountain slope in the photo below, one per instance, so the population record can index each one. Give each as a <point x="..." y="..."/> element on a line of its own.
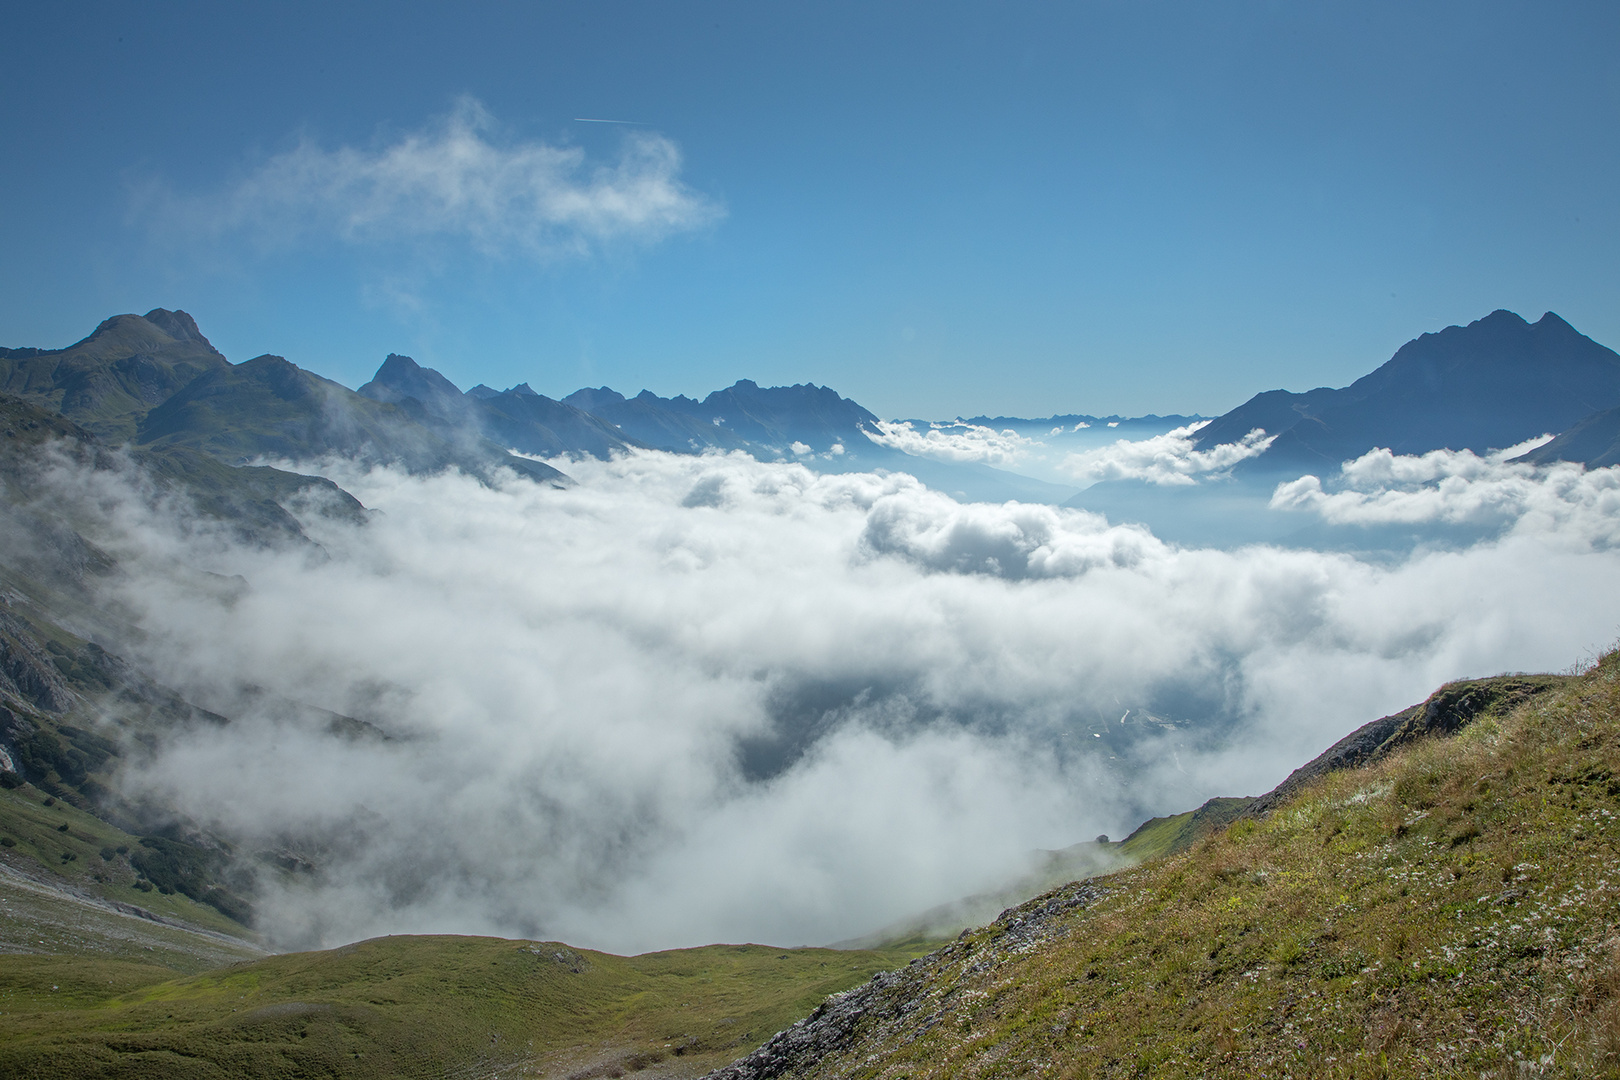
<point x="1489" y="385"/>
<point x="1445" y="911"/>
<point x="72" y="711"/>
<point x="268" y="406"/>
<point x="156" y="380"/>
<point x="108" y="381"/>
<point x="1594" y="442"/>
<point x="249" y="499"/>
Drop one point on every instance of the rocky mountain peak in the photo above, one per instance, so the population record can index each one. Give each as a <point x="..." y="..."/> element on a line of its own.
<point x="178" y="325"/>
<point x="401" y="378"/>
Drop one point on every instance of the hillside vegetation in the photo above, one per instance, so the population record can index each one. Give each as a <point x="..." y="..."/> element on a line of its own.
<point x="1448" y="910"/>
<point x="414" y="1007"/>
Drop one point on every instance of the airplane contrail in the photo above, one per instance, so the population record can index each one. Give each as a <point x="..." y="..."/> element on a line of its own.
<point x="593" y="120"/>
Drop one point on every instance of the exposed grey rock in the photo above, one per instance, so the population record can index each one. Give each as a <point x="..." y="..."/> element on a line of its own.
<point x="27" y="672"/>
<point x="899" y="1006"/>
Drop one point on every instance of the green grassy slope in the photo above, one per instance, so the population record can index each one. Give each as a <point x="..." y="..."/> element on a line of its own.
<point x="414" y="1006"/>
<point x="1450" y="910"/>
<point x="1172" y="835"/>
<point x="48" y="842"/>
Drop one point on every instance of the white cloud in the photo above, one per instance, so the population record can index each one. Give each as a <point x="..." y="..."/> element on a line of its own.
<point x="704" y="699"/>
<point x="1463" y="488"/>
<point x="1167" y="459"/>
<point x="954" y="442"/>
<point x="456" y="179"/>
<point x="1013" y="540"/>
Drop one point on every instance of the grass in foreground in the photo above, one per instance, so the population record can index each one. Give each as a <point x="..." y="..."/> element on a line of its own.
<point x="1453" y="911"/>
<point x="415" y="1007"/>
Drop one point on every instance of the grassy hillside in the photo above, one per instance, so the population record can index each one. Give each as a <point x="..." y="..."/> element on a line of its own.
<point x="1172" y="835"/>
<point x="1451" y="910"/>
<point x="414" y="1007"/>
<point x="70" y="851"/>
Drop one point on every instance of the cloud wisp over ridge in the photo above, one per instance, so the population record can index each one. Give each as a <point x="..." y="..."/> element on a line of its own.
<point x="1166" y="460"/>
<point x="796" y="709"/>
<point x="457" y="180"/>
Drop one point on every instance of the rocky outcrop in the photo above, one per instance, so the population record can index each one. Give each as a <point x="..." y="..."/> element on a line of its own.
<point x="1446" y="712"/>
<point x="27" y="671"/>
<point x="898" y="1006"/>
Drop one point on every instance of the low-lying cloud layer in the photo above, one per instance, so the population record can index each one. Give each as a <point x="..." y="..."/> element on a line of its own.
<point x="955" y="442"/>
<point x="793" y="710"/>
<point x="455" y="179"/>
<point x="1167" y="459"/>
<point x="1463" y="488"/>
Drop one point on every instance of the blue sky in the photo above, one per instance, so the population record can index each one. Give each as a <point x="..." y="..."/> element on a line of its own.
<point x="935" y="208"/>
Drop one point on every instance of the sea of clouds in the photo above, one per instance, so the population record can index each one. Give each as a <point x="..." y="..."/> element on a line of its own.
<point x="697" y="699"/>
<point x="1073" y="455"/>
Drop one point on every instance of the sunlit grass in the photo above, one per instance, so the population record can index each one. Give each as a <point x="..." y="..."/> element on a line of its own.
<point x="414" y="1006"/>
<point x="1450" y="911"/>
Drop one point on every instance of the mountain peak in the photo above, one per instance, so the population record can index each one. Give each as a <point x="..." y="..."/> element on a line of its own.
<point x="591" y="399"/>
<point x="1551" y="322"/>
<point x="400" y="378"/>
<point x="394" y="365"/>
<point x="178" y="325"/>
<point x="126" y="335"/>
<point x="1501" y="317"/>
<point x="1490" y="384"/>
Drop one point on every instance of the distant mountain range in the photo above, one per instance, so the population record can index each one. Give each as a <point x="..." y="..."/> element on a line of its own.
<point x="155" y="381"/>
<point x="809" y="424"/>
<point x="156" y="384"/>
<point x="1486" y="386"/>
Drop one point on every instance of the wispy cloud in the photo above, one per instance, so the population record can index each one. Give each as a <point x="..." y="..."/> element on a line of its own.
<point x="454" y="179"/>
<point x="1163" y="459"/>
<point x="954" y="442"/>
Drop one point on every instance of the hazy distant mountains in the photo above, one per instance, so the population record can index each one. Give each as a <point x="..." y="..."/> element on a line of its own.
<point x="518" y="418"/>
<point x="804" y="423"/>
<point x="1488" y="385"/>
<point x="155" y="381"/>
<point x="156" y="384"/>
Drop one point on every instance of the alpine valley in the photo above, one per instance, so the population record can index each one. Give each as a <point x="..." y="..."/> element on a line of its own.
<point x="408" y="731"/>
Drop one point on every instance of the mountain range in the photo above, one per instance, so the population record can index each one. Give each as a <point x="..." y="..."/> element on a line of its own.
<point x="154" y="383"/>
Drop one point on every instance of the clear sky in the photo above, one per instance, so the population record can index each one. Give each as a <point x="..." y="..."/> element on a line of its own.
<point x="935" y="208"/>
